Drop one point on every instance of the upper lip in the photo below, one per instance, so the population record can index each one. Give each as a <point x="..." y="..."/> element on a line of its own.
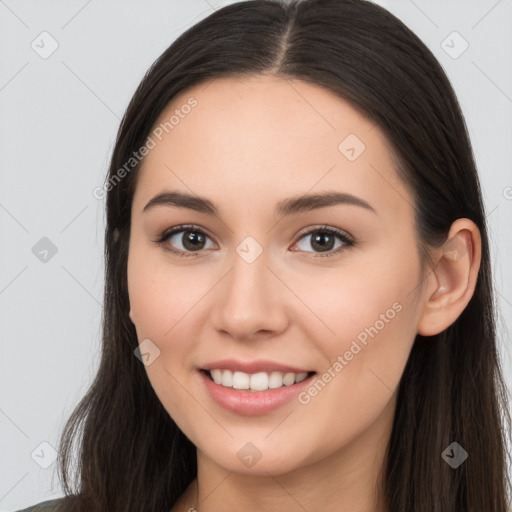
<point x="252" y="366"/>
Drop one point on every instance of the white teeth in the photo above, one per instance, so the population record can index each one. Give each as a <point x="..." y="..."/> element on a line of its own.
<point x="260" y="381"/>
<point x="216" y="376"/>
<point x="275" y="380"/>
<point x="288" y="379"/>
<point x="241" y="380"/>
<point x="301" y="376"/>
<point x="227" y="379"/>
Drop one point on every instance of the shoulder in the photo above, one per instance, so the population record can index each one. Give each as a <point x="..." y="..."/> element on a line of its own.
<point x="45" y="506"/>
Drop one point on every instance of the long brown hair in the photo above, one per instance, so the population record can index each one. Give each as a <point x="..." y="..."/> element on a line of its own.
<point x="130" y="455"/>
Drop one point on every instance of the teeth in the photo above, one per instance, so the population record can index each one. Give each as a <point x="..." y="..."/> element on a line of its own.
<point x="241" y="380"/>
<point x="227" y="379"/>
<point x="288" y="379"/>
<point x="257" y="381"/>
<point x="216" y="376"/>
<point x="301" y="376"/>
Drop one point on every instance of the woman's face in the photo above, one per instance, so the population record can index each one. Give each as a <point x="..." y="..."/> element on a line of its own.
<point x="261" y="280"/>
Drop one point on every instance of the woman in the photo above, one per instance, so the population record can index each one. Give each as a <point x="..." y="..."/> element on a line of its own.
<point x="298" y="303"/>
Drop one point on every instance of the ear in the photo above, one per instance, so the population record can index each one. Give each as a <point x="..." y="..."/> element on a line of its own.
<point x="130" y="314"/>
<point x="452" y="282"/>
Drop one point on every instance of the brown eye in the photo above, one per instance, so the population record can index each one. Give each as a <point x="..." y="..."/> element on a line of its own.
<point x="184" y="240"/>
<point x="192" y="240"/>
<point x="324" y="240"/>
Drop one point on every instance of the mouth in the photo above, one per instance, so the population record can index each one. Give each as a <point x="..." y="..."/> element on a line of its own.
<point x="255" y="382"/>
<point x="253" y="394"/>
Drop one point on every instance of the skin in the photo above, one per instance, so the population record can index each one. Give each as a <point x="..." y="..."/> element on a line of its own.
<point x="248" y="144"/>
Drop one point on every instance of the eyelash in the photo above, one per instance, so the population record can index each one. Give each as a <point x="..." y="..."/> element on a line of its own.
<point x="347" y="240"/>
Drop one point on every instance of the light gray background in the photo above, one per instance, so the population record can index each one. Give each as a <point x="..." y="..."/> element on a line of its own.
<point x="58" y="121"/>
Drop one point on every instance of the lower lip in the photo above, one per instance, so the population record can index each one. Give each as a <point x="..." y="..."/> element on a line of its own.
<point x="252" y="403"/>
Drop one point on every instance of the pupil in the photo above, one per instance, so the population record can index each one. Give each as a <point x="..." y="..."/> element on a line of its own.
<point x="323" y="245"/>
<point x="191" y="239"/>
<point x="321" y="241"/>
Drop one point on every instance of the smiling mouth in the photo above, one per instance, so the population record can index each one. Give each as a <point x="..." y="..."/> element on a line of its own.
<point x="260" y="381"/>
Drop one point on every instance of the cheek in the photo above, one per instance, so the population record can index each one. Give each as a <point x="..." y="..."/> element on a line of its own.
<point x="159" y="313"/>
<point x="362" y="296"/>
<point x="158" y="297"/>
<point x="373" y="312"/>
<point x="165" y="302"/>
<point x="153" y="310"/>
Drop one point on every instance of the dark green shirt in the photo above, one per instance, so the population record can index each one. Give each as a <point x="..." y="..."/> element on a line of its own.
<point x="44" y="506"/>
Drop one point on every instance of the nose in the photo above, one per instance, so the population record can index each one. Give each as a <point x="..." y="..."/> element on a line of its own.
<point x="251" y="302"/>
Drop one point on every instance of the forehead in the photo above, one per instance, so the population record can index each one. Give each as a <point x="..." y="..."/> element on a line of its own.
<point x="268" y="135"/>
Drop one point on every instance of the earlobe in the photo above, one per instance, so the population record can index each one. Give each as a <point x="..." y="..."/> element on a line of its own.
<point x="453" y="278"/>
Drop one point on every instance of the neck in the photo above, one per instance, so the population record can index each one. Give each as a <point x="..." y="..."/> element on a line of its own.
<point x="348" y="480"/>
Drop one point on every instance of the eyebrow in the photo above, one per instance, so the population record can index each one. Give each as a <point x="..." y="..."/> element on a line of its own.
<point x="290" y="206"/>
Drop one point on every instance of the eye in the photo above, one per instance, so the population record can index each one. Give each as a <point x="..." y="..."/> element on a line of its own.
<point x="324" y="238"/>
<point x="191" y="238"/>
